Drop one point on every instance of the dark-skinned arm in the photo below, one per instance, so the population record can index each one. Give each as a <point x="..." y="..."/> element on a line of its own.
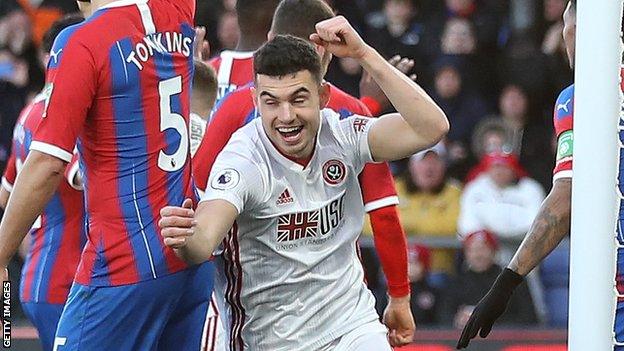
<point x="550" y="226"/>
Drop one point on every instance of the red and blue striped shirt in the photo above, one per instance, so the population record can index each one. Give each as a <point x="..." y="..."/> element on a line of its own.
<point x="118" y="86"/>
<point x="57" y="237"/>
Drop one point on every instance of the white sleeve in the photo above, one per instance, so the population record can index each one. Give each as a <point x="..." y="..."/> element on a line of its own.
<point x="234" y="179"/>
<point x="355" y="136"/>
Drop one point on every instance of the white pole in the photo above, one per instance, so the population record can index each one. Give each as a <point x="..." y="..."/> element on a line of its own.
<point x="594" y="195"/>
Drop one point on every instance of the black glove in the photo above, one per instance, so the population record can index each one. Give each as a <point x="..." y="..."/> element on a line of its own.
<point x="491" y="306"/>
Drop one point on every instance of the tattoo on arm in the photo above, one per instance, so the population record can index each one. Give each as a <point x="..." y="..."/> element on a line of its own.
<point x="550" y="226"/>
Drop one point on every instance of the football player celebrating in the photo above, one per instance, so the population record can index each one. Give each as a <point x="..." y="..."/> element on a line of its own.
<point x="286" y="185"/>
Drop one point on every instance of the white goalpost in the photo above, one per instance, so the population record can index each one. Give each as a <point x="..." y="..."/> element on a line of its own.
<point x="594" y="192"/>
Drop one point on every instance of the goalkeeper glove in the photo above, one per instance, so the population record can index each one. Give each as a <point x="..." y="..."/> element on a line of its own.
<point x="491" y="307"/>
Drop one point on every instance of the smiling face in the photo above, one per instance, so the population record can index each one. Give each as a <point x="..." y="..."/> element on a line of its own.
<point x="290" y="107"/>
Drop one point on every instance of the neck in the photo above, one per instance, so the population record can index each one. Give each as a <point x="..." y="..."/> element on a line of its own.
<point x="202" y="113"/>
<point x="201" y="109"/>
<point x="250" y="42"/>
<point x="302" y="158"/>
<point x="302" y="161"/>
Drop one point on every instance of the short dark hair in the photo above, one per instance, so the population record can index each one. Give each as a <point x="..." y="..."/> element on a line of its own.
<point x="255" y="16"/>
<point x="205" y="81"/>
<point x="56" y="28"/>
<point x="287" y="54"/>
<point x="299" y="17"/>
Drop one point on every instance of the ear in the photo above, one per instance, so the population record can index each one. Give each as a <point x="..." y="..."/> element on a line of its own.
<point x="323" y="95"/>
<point x="254" y="97"/>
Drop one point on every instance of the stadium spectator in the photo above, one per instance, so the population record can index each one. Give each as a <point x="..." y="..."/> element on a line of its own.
<point x="227" y="31"/>
<point x="458" y="37"/>
<point x="429" y="204"/>
<point x="459" y="40"/>
<point x="16" y="39"/>
<point x="487" y="20"/>
<point x="13" y="80"/>
<point x="425" y="299"/>
<point x="530" y="138"/>
<point x="553" y="45"/>
<point x="15" y="73"/>
<point x="478" y="273"/>
<point x="399" y="30"/>
<point x="491" y="135"/>
<point x="502" y="200"/>
<point x="464" y="108"/>
<point x="42" y="14"/>
<point x="524" y="64"/>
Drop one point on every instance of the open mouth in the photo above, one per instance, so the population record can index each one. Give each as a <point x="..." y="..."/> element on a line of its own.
<point x="290" y="133"/>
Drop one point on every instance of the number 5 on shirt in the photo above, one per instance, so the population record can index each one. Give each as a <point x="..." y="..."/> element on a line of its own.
<point x="171" y="120"/>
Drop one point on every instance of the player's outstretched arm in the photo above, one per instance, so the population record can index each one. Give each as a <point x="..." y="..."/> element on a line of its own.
<point x="550" y="226"/>
<point x="420" y="121"/>
<point x="38" y="180"/>
<point x="194" y="235"/>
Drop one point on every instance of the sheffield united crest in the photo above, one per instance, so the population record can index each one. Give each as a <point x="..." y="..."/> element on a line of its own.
<point x="334" y="172"/>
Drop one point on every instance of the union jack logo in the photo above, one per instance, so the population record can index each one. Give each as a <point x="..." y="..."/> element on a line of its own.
<point x="297" y="226"/>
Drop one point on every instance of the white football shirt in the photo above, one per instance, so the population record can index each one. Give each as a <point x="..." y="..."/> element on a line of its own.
<point x="293" y="280"/>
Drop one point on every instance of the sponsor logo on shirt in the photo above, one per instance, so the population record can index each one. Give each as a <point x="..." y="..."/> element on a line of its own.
<point x="316" y="226"/>
<point x="225" y="179"/>
<point x="334" y="172"/>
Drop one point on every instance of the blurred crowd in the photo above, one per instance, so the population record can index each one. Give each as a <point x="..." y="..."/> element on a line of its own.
<point x="494" y="66"/>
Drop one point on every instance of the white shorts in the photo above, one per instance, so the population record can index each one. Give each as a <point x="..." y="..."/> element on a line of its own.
<point x="369" y="337"/>
<point x="213" y="336"/>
